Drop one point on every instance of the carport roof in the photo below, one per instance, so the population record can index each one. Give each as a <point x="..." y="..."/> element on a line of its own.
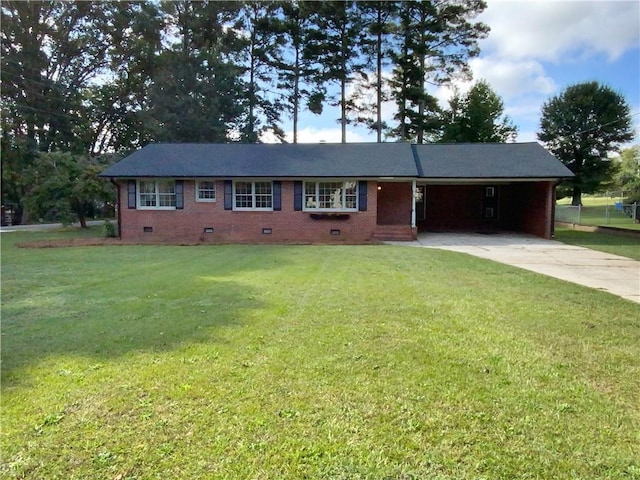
<point x="337" y="160"/>
<point x="487" y="160"/>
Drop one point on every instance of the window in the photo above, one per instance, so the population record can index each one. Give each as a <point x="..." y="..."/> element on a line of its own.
<point x="157" y="194"/>
<point x="253" y="196"/>
<point x="205" y="191"/>
<point x="332" y="196"/>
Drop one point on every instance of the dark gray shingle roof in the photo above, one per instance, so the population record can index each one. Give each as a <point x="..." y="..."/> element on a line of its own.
<point x="268" y="160"/>
<point x="488" y="160"/>
<point x="359" y="160"/>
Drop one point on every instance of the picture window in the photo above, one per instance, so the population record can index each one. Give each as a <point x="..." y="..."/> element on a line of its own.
<point x="331" y="196"/>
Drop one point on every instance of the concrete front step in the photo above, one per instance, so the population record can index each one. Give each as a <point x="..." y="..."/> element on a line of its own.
<point x="398" y="233"/>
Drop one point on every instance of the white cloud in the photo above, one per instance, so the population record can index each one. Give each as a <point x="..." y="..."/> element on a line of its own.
<point x="551" y="30"/>
<point x="328" y="135"/>
<point x="513" y="78"/>
<point x="317" y="135"/>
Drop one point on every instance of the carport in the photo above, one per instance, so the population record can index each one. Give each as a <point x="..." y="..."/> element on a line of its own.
<point x="516" y="206"/>
<point x="486" y="188"/>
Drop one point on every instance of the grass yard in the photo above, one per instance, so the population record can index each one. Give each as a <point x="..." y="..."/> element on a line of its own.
<point x="593" y="200"/>
<point x="595" y="211"/>
<point x="340" y="362"/>
<point x="604" y="242"/>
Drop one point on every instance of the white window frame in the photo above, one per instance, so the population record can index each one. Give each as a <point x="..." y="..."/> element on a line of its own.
<point x="198" y="190"/>
<point x="156" y="193"/>
<point x="253" y="196"/>
<point x="308" y="203"/>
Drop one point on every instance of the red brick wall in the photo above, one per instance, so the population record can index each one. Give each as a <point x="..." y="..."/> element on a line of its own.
<point x="454" y="207"/>
<point x="536" y="206"/>
<point x="287" y="225"/>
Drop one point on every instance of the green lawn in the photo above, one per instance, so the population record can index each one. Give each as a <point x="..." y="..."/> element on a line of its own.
<point x="618" y="245"/>
<point x="592" y="200"/>
<point x="595" y="211"/>
<point x="340" y="362"/>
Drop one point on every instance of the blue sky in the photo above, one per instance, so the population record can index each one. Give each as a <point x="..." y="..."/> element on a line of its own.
<point x="534" y="51"/>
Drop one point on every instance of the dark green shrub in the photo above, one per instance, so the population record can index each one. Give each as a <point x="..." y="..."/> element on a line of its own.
<point x="110" y="229"/>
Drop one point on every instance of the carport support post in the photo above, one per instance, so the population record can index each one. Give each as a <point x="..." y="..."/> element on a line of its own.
<point x="413" y="203"/>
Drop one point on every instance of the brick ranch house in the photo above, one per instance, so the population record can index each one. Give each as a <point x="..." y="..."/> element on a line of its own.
<point x="332" y="193"/>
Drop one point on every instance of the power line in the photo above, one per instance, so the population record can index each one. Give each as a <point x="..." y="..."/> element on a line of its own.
<point x="603" y="125"/>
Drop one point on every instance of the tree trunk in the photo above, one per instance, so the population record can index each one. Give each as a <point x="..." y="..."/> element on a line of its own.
<point x="296" y="94"/>
<point x="379" y="79"/>
<point x="577" y="197"/>
<point x="343" y="110"/>
<point x="83" y="221"/>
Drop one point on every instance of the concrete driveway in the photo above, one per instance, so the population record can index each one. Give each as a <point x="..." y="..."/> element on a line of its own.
<point x="603" y="271"/>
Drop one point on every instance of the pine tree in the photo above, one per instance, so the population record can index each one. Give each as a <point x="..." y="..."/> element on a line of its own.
<point x="477" y="116"/>
<point x="379" y="22"/>
<point x="298" y="82"/>
<point x="435" y="40"/>
<point x="334" y="43"/>
<point x="261" y="54"/>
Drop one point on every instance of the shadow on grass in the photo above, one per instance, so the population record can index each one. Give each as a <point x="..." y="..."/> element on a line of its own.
<point x="108" y="302"/>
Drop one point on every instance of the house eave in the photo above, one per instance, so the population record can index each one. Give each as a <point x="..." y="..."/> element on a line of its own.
<point x="483" y="180"/>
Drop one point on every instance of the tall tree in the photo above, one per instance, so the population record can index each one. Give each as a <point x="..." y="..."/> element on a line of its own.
<point x="334" y="42"/>
<point x="196" y="92"/>
<point x="378" y="18"/>
<point x="627" y="176"/>
<point x="192" y="101"/>
<point x="115" y="106"/>
<point x="436" y="40"/>
<point x="261" y="22"/>
<point x="51" y="52"/>
<point x="296" y="79"/>
<point x="581" y="126"/>
<point x="477" y="116"/>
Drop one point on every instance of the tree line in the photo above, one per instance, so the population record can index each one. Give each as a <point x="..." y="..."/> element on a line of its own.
<point x="107" y="76"/>
<point x="85" y="82"/>
<point x="99" y="77"/>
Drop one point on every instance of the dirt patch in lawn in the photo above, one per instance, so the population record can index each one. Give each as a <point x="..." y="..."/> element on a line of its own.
<point x="90" y="242"/>
<point x="71" y="242"/>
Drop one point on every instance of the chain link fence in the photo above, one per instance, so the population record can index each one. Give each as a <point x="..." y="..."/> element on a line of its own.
<point x="617" y="214"/>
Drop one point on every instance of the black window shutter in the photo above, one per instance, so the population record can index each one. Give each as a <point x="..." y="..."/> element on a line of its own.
<point x="297" y="196"/>
<point x="228" y="195"/>
<point x="277" y="195"/>
<point x="131" y="194"/>
<point x="179" y="194"/>
<point x="362" y="195"/>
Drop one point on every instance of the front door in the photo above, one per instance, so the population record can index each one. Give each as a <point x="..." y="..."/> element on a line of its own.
<point x="394" y="203"/>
